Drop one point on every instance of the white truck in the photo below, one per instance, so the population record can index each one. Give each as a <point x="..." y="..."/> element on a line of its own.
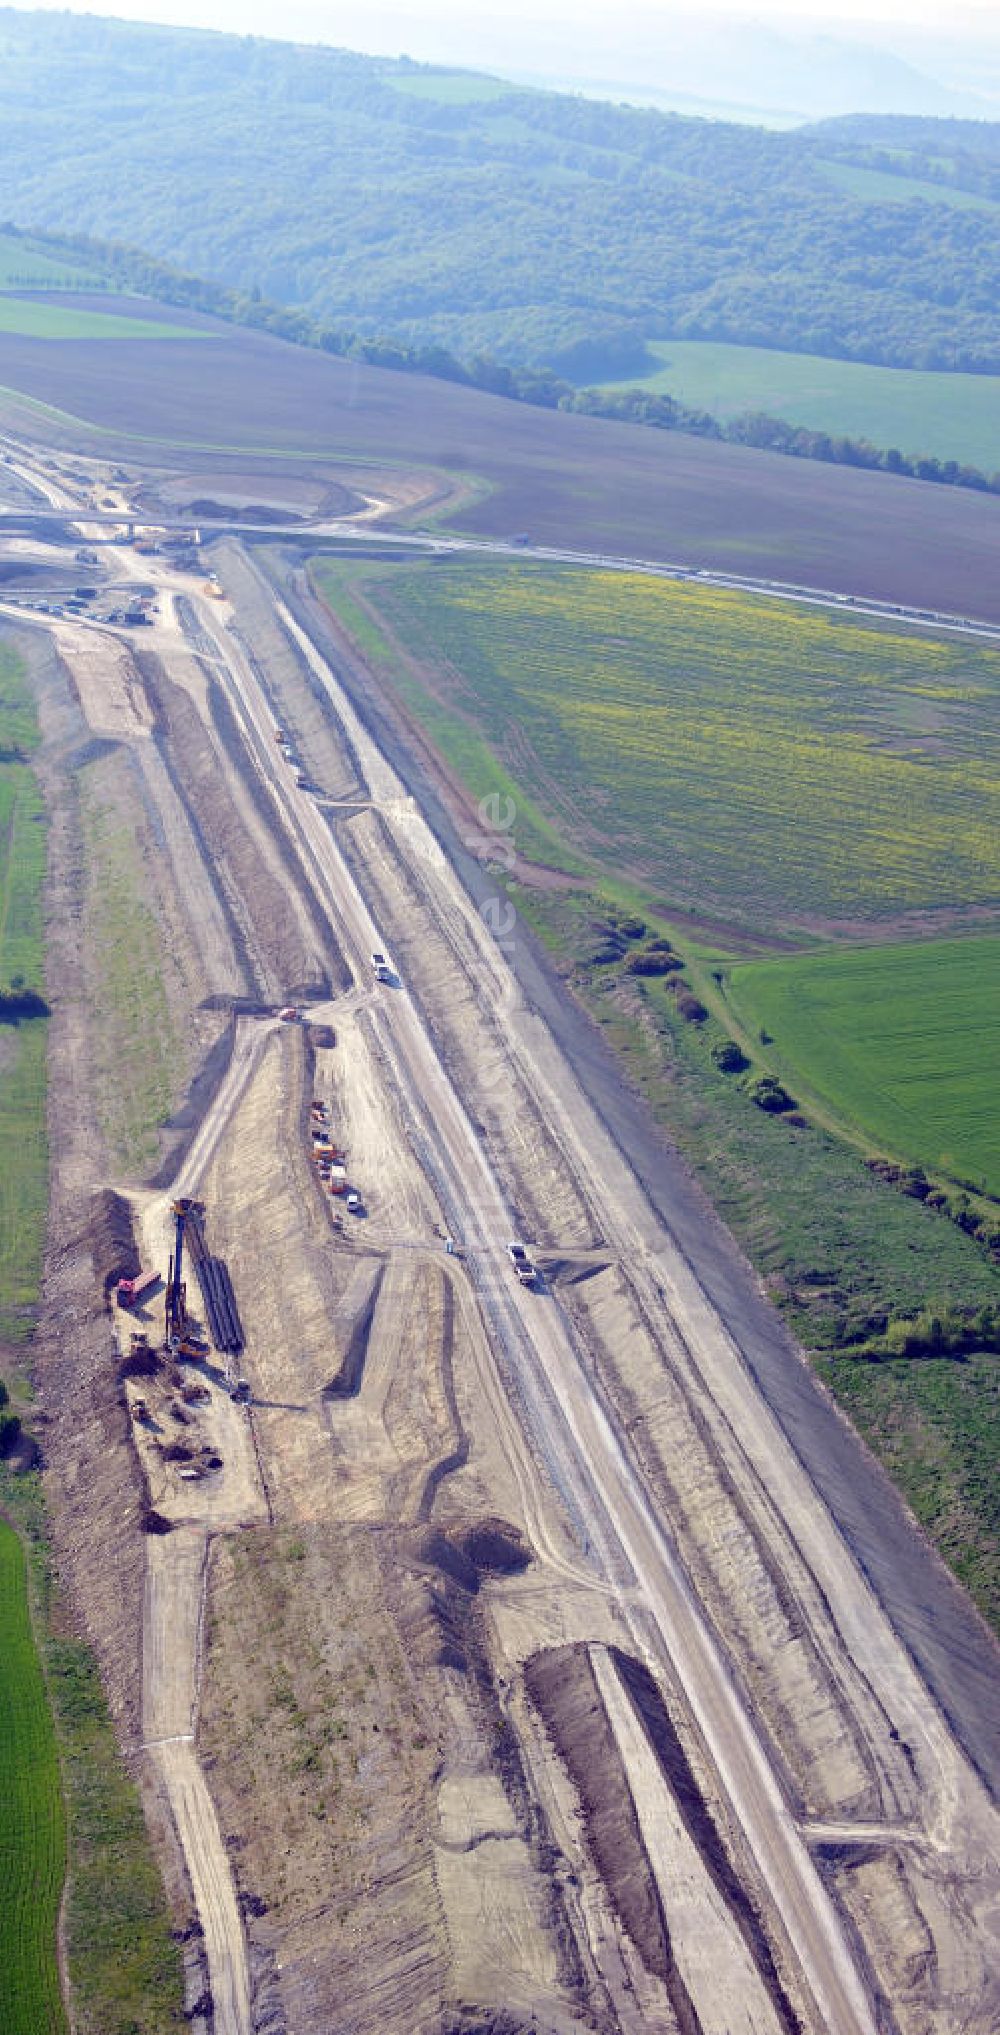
<point x="522" y="1264"/>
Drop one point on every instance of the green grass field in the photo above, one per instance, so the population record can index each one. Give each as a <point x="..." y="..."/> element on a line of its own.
<point x="63" y="321"/>
<point x="882" y="187"/>
<point x="124" y="1967"/>
<point x="24" y="268"/>
<point x="449" y="88"/>
<point x="32" y="1826"/>
<point x="899" y="1041"/>
<point x="135" y="1040"/>
<point x="774" y="767"/>
<point x="23" y="1047"/>
<point x="945" y="416"/>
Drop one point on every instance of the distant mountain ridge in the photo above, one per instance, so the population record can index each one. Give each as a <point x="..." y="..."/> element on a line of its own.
<point x="782" y="72"/>
<point x="385" y="196"/>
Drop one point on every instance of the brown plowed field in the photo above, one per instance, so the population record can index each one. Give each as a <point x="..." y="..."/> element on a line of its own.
<point x="569" y="481"/>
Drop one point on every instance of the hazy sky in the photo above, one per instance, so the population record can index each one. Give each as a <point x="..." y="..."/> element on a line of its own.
<point x="748" y="58"/>
<point x="412" y="22"/>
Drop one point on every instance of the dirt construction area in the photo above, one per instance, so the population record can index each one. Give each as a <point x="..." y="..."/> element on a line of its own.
<point x="488" y="1657"/>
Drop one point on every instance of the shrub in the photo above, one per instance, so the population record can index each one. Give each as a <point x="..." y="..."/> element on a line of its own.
<point x="962" y="1212"/>
<point x="608" y="944"/>
<point x="885" y="1169"/>
<point x="769" y="1095"/>
<point x="18" y="1003"/>
<point x="948" y="1333"/>
<point x="691" y="1008"/>
<point x="10" y="1431"/>
<point x="652" y="961"/>
<point x="729" y="1057"/>
<point x="631" y="927"/>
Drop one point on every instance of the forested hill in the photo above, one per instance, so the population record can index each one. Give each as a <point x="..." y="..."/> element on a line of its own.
<point x="389" y="197"/>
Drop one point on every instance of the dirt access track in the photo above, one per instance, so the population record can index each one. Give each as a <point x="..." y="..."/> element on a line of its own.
<point x="502" y="1666"/>
<point x="566" y="481"/>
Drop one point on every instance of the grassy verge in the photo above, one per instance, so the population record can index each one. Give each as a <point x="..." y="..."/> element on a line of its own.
<point x="124" y="1971"/>
<point x="135" y="1033"/>
<point x="23" y="1044"/>
<point x="124" y="1968"/>
<point x="839" y="1251"/>
<point x="23" y="1175"/>
<point x="33" y="1843"/>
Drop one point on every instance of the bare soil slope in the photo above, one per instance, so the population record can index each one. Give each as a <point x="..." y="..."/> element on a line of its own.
<point x="567" y="480"/>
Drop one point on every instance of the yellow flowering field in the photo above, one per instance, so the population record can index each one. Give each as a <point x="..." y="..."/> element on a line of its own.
<point x="765" y="762"/>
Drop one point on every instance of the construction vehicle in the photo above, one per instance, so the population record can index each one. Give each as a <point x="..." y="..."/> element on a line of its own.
<point x="241" y="1392"/>
<point x="129" y="1292"/>
<point x="338" y="1178"/>
<point x="140" y="1411"/>
<point x="176" y="1294"/>
<point x="522" y="1264"/>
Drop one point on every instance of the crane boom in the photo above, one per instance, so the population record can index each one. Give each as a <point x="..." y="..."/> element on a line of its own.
<point x="176" y="1296"/>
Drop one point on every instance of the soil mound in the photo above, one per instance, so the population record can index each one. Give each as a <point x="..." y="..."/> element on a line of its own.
<point x="112" y="1239"/>
<point x="139" y="1363"/>
<point x="465" y="1554"/>
<point x="561" y="1685"/>
<point x="245" y="512"/>
<point x="475" y="2022"/>
<point x="495" y="1547"/>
